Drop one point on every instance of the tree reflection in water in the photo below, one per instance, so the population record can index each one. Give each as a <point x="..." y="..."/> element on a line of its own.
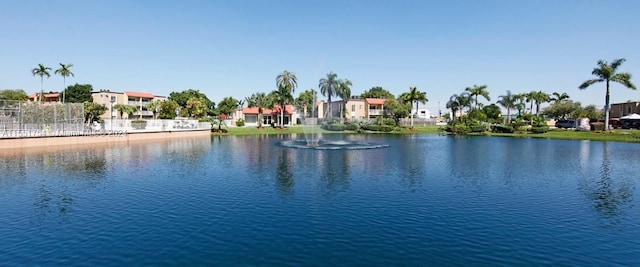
<point x="284" y="173"/>
<point x="610" y="196"/>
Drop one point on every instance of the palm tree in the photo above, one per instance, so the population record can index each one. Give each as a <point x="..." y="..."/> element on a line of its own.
<point x="607" y="73"/>
<point x="508" y="102"/>
<point x="558" y="97"/>
<point x="344" y="92"/>
<point x="328" y="87"/>
<point x="41" y="71"/>
<point x="125" y="109"/>
<point x="258" y="100"/>
<point x="540" y="97"/>
<point x="282" y="96"/>
<point x="287" y="82"/>
<point x="154" y="106"/>
<point x="476" y="91"/>
<point x="520" y="99"/>
<point x="458" y="103"/>
<point x="415" y="96"/>
<point x="64" y="72"/>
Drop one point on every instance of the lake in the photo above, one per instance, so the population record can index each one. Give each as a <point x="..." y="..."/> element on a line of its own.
<point x="245" y="201"/>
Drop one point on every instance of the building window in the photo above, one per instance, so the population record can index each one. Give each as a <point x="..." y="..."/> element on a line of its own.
<point x="360" y="107"/>
<point x="353" y="107"/>
<point x="629" y="110"/>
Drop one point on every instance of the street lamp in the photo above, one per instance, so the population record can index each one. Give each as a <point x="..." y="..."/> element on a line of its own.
<point x="113" y="100"/>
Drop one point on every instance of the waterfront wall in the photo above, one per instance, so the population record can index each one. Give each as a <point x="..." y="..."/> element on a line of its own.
<point x="114" y="137"/>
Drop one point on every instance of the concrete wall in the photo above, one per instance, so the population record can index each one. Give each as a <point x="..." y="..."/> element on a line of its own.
<point x="18" y="143"/>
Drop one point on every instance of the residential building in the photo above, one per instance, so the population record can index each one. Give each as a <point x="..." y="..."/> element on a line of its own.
<point x="619" y="110"/>
<point x="421" y="113"/>
<point x="50" y="97"/>
<point x="137" y="99"/>
<point x="269" y="116"/>
<point x="355" y="108"/>
<point x="374" y="107"/>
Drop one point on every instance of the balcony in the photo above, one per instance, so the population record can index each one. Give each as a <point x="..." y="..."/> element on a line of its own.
<point x="375" y="112"/>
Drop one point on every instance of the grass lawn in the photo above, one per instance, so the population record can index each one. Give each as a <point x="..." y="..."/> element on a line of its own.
<point x="616" y="135"/>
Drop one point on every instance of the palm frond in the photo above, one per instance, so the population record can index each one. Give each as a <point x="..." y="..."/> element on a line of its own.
<point x="588" y="83"/>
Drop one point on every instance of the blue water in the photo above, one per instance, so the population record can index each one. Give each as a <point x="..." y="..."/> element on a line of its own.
<point x="245" y="201"/>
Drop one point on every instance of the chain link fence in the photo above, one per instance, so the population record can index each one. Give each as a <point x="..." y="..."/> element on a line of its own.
<point x="25" y="118"/>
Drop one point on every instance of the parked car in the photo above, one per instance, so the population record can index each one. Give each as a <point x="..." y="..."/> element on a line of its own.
<point x="566" y="124"/>
<point x="629" y="124"/>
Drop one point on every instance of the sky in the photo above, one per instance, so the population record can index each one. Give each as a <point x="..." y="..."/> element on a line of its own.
<point x="237" y="48"/>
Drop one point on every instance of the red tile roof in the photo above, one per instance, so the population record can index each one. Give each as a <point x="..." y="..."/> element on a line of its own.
<point x="138" y="94"/>
<point x="288" y="109"/>
<point x="376" y="101"/>
<point x="49" y="95"/>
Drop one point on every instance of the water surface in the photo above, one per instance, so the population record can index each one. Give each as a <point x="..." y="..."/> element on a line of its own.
<point x="232" y="200"/>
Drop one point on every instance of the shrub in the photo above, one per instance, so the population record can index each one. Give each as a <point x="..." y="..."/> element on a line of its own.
<point x="351" y="127"/>
<point x="502" y="129"/>
<point x="478" y="128"/>
<point x="597" y="126"/>
<point x="333" y="127"/>
<point x="240" y="123"/>
<point x="139" y="124"/>
<point x="386" y="128"/>
<point x="540" y="129"/>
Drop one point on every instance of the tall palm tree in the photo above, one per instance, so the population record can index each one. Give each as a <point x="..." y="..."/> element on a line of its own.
<point x="476" y="91"/>
<point x="520" y="99"/>
<point x="458" y="103"/>
<point x="607" y="73"/>
<point x="258" y="100"/>
<point x="344" y="92"/>
<point x="286" y="82"/>
<point x="41" y="71"/>
<point x="508" y="102"/>
<point x="64" y="72"/>
<point x="530" y="98"/>
<point x="154" y="106"/>
<point x="415" y="96"/>
<point x="328" y="87"/>
<point x="558" y="97"/>
<point x="540" y="97"/>
<point x="282" y="96"/>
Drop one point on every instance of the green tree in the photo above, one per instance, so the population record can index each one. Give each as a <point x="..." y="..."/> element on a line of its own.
<point x="92" y="111"/>
<point x="65" y="72"/>
<point x="258" y="100"/>
<point x="286" y="82"/>
<point x="561" y="110"/>
<point x="125" y="109"/>
<point x="476" y="91"/>
<point x="78" y="93"/>
<point x="520" y="99"/>
<point x="16" y="94"/>
<point x="493" y="112"/>
<point x="538" y="98"/>
<point x="507" y="101"/>
<point x="328" y="87"/>
<point x="607" y="73"/>
<point x="396" y="109"/>
<point x="227" y="105"/>
<point x="154" y="106"/>
<point x="305" y="100"/>
<point x="415" y="96"/>
<point x="377" y="92"/>
<point x="559" y="97"/>
<point x="282" y="97"/>
<point x="458" y="103"/>
<point x="344" y="92"/>
<point x="41" y="71"/>
<point x="181" y="98"/>
<point x="168" y="109"/>
<point x="196" y="108"/>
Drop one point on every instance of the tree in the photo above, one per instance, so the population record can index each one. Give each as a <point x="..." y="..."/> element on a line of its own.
<point x="181" y="98"/>
<point x="64" y="72"/>
<point x="305" y="100"/>
<point x="560" y="110"/>
<point x="493" y="112"/>
<point x="476" y="91"/>
<point x="377" y="92"/>
<point x="168" y="109"/>
<point x="558" y="97"/>
<point x="520" y="100"/>
<point x="396" y="109"/>
<point x="458" y="103"/>
<point x="258" y="100"/>
<point x="227" y="105"/>
<point x="607" y="73"/>
<point x="196" y="107"/>
<point x="540" y="97"/>
<point x="344" y="92"/>
<point x="154" y="106"/>
<point x="415" y="96"/>
<point x="92" y="111"/>
<point x="282" y="96"/>
<point x="41" y="71"/>
<point x="78" y="93"/>
<point x="17" y="94"/>
<point x="125" y="109"/>
<point x="508" y="102"/>
<point x="328" y="87"/>
<point x="286" y="82"/>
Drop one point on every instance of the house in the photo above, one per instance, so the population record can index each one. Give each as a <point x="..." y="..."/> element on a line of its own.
<point x="374" y="107"/>
<point x="619" y="110"/>
<point x="269" y="116"/>
<point x="354" y="108"/>
<point x="421" y="113"/>
<point x="137" y="99"/>
<point x="50" y="97"/>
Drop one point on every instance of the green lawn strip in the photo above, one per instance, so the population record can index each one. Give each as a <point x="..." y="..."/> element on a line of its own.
<point x="615" y="136"/>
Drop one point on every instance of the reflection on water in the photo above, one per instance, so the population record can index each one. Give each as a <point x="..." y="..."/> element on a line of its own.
<point x="610" y="196"/>
<point x="427" y="198"/>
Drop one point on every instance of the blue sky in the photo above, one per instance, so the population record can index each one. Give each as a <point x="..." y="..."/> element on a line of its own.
<point x="236" y="48"/>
